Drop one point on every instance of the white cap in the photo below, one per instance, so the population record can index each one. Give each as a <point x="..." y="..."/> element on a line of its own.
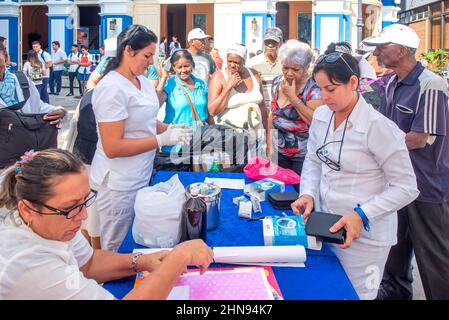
<point x="196" y="33"/>
<point x="397" y="34"/>
<point x="110" y="47"/>
<point x="238" y="49"/>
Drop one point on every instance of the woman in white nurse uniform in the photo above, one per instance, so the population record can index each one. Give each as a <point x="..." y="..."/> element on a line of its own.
<point x="125" y="106"/>
<point x="357" y="165"/>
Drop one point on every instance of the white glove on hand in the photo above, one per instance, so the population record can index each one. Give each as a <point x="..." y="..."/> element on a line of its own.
<point x="175" y="134"/>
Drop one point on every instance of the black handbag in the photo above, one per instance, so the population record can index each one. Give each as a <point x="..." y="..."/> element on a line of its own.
<point x="21" y="132"/>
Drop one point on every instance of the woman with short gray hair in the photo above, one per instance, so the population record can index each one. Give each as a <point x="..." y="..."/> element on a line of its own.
<point x="295" y="97"/>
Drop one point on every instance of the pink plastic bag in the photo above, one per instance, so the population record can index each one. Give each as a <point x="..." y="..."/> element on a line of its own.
<point x="259" y="168"/>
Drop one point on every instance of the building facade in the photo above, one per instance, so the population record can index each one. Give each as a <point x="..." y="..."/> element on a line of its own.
<point x="89" y="22"/>
<point x="430" y="19"/>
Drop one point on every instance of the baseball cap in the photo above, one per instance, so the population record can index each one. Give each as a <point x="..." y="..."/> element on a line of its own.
<point x="273" y="34"/>
<point x="197" y="33"/>
<point x="397" y="34"/>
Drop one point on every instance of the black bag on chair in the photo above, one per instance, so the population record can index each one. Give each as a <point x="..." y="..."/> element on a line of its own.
<point x="205" y="139"/>
<point x="87" y="137"/>
<point x="21" y="132"/>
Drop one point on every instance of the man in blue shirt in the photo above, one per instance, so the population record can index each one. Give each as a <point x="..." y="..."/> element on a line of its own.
<point x="417" y="101"/>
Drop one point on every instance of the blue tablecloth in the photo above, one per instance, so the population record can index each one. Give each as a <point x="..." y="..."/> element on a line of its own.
<point x="322" y="278"/>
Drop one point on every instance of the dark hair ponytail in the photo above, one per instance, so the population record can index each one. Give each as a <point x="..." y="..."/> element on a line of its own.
<point x="137" y="37"/>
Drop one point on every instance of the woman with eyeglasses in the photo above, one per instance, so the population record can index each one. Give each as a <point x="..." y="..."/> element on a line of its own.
<point x="44" y="256"/>
<point x="295" y="97"/>
<point x="125" y="104"/>
<point x="358" y="166"/>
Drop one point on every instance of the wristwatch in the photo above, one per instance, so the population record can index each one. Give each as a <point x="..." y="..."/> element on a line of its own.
<point x="134" y="261"/>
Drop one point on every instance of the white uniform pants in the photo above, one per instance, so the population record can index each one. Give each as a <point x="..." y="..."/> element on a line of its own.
<point x="92" y="223"/>
<point x="364" y="265"/>
<point x="116" y="214"/>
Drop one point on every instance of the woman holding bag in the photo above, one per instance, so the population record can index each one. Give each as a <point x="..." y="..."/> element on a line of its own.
<point x="125" y="106"/>
<point x="185" y="95"/>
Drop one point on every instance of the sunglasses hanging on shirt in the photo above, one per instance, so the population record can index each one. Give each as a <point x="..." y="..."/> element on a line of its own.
<point x="323" y="153"/>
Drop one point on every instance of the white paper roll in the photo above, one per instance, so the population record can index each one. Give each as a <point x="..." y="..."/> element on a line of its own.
<point x="265" y="254"/>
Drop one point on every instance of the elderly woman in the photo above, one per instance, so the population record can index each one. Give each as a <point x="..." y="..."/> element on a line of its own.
<point x="295" y="97"/>
<point x="44" y="256"/>
<point x="235" y="97"/>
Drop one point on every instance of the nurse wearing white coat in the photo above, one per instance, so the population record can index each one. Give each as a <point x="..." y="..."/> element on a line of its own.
<point x="357" y="165"/>
<point x="125" y="106"/>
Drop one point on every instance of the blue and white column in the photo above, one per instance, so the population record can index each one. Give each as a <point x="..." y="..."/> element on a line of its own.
<point x="257" y="16"/>
<point x="61" y="23"/>
<point x="9" y="27"/>
<point x="116" y="15"/>
<point x="390" y="9"/>
<point x="331" y="23"/>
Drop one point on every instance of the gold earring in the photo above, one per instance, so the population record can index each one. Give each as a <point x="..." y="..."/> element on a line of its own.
<point x="29" y="223"/>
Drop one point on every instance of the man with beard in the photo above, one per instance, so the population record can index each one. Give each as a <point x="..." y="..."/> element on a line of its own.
<point x="268" y="63"/>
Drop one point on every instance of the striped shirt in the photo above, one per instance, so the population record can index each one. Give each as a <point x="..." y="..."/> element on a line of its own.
<point x="419" y="103"/>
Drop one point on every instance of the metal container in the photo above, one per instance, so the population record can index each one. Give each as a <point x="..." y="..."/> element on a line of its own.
<point x="211" y="195"/>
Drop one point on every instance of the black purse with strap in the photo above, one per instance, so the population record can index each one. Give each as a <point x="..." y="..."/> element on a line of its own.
<point x="21" y="132"/>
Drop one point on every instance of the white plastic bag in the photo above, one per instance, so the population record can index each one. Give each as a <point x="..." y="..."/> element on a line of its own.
<point x="158" y="214"/>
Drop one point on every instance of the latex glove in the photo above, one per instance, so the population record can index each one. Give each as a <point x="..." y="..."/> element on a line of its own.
<point x="175" y="134"/>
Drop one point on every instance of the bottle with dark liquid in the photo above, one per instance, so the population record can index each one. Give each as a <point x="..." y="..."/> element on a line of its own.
<point x="195" y="216"/>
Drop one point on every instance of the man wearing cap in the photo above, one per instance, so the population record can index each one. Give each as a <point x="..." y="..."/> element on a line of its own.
<point x="416" y="100"/>
<point x="204" y="64"/>
<point x="267" y="63"/>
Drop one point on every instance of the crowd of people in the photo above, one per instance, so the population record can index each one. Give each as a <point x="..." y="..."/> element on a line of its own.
<point x="366" y="130"/>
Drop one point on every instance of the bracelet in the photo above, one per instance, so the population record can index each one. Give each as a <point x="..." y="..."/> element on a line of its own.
<point x="362" y="215"/>
<point x="297" y="102"/>
<point x="134" y="261"/>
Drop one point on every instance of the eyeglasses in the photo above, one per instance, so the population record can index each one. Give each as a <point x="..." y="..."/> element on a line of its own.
<point x="137" y="29"/>
<point x="323" y="154"/>
<point x="332" y="58"/>
<point x="70" y="213"/>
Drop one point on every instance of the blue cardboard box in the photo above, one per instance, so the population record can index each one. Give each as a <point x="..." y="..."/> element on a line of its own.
<point x="284" y="231"/>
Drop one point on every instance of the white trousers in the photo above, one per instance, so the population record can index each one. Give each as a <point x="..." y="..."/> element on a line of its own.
<point x="116" y="214"/>
<point x="364" y="265"/>
<point x="92" y="223"/>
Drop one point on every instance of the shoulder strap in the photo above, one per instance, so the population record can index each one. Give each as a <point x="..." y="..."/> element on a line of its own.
<point x="195" y="114"/>
<point x="25" y="86"/>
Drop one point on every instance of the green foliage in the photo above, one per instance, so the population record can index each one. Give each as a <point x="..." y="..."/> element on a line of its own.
<point x="437" y="60"/>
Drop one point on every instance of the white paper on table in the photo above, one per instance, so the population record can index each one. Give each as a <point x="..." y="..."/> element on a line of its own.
<point x="275" y="264"/>
<point x="179" y="293"/>
<point x="259" y="254"/>
<point x="237" y="184"/>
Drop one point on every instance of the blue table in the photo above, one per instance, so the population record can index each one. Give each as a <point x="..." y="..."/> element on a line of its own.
<point x="322" y="278"/>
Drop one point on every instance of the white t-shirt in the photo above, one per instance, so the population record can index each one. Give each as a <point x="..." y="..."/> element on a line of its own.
<point x="115" y="99"/>
<point x="57" y="57"/>
<point x="32" y="267"/>
<point x="47" y="58"/>
<point x="35" y="74"/>
<point x="73" y="57"/>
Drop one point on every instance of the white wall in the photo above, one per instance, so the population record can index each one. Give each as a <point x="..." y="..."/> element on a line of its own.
<point x="227" y="26"/>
